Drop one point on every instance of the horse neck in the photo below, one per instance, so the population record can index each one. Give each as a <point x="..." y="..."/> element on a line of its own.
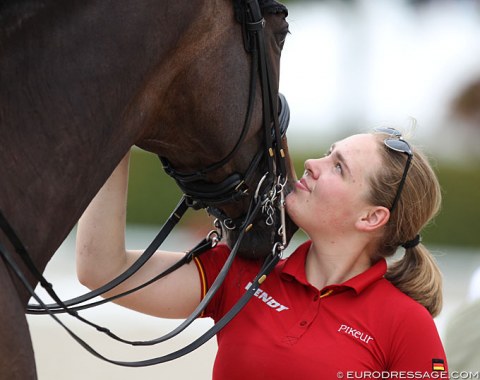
<point x="69" y="73"/>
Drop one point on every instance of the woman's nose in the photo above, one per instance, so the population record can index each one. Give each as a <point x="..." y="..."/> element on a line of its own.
<point x="311" y="168"/>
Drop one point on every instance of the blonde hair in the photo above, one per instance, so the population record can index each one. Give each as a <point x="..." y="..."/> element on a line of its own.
<point x="416" y="273"/>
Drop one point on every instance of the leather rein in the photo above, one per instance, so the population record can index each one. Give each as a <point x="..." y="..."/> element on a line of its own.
<point x="198" y="193"/>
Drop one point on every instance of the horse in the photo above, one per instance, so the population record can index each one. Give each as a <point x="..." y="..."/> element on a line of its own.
<point x="81" y="82"/>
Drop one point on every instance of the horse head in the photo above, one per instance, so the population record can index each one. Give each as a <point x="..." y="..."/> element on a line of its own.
<point x="217" y="99"/>
<point x="82" y="81"/>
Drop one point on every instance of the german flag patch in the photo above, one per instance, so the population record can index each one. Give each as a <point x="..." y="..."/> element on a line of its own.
<point x="438" y="365"/>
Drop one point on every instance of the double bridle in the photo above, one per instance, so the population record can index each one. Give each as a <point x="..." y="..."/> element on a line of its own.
<point x="203" y="194"/>
<point x="267" y="198"/>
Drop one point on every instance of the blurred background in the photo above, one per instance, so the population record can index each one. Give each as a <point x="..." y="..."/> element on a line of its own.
<point x="347" y="66"/>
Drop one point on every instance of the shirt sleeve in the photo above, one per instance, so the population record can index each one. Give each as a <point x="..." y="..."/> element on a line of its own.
<point x="209" y="265"/>
<point x="416" y="345"/>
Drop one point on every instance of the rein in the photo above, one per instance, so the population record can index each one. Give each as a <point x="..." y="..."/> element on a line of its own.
<point x="198" y="193"/>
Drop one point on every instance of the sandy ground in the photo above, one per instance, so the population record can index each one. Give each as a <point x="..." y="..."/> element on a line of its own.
<point x="59" y="357"/>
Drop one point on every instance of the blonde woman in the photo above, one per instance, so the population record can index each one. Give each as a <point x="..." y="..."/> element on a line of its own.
<point x="332" y="309"/>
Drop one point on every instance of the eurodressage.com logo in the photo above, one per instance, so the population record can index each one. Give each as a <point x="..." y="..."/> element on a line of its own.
<point x="408" y="375"/>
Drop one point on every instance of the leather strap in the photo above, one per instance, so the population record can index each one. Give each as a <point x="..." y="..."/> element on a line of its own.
<point x="168" y="226"/>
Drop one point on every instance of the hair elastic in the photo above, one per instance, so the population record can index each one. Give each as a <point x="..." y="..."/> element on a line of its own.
<point x="412" y="243"/>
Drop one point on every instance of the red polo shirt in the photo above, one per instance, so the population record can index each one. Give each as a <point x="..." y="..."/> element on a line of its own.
<point x="291" y="330"/>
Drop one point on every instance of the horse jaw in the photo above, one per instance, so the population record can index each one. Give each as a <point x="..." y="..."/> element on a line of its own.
<point x="259" y="241"/>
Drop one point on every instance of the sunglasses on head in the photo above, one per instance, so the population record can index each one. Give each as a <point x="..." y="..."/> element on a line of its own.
<point x="396" y="143"/>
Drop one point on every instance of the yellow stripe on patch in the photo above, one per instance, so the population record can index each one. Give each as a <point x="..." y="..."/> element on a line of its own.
<point x="438" y="365"/>
<point x="203" y="280"/>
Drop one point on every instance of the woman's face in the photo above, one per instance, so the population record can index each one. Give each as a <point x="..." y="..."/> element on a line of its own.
<point x="333" y="192"/>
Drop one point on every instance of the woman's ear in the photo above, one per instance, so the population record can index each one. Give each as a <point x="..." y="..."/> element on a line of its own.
<point x="373" y="218"/>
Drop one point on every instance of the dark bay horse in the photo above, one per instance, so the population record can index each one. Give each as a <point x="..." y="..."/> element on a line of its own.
<point x="83" y="81"/>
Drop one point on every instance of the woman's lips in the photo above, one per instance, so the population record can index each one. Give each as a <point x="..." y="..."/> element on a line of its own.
<point x="302" y="185"/>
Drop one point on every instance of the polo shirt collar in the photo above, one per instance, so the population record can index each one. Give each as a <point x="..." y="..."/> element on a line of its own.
<point x="294" y="268"/>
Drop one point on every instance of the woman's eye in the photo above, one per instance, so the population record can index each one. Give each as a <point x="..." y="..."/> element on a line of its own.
<point x="338" y="167"/>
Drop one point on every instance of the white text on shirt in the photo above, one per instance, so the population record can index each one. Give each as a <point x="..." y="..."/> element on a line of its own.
<point x="260" y="294"/>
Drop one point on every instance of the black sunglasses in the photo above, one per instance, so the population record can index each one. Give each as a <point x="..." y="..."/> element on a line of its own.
<point x="398" y="144"/>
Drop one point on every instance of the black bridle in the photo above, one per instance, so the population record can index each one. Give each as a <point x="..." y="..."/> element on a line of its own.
<point x="203" y="194"/>
<point x="198" y="193"/>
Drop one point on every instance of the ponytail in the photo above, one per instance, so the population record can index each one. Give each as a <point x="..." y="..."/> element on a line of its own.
<point x="417" y="275"/>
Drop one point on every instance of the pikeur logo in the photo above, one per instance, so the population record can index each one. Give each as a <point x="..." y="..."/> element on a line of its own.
<point x="260" y="294"/>
<point x="344" y="329"/>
